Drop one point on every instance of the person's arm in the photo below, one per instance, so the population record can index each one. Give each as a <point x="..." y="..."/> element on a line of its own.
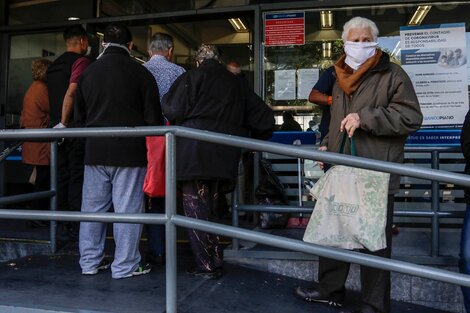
<point x="79" y="108"/>
<point x="319" y="98"/>
<point x="465" y="137"/>
<point x="321" y="92"/>
<point x="178" y="99"/>
<point x="152" y="108"/>
<point x="67" y="105"/>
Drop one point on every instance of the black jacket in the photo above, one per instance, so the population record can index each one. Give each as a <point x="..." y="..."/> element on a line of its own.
<point x="117" y="91"/>
<point x="211" y="98"/>
<point x="465" y="144"/>
<point x="57" y="80"/>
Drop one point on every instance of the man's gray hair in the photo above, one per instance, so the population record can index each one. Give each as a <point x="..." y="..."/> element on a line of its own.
<point x="161" y="42"/>
<point x="361" y="23"/>
<point x="206" y="52"/>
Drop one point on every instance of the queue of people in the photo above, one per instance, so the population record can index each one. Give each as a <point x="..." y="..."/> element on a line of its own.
<point x="363" y="95"/>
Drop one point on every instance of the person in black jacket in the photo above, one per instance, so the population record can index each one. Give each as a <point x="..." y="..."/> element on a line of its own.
<point x="211" y="98"/>
<point x="115" y="91"/>
<point x="62" y="79"/>
<point x="464" y="262"/>
<point x="289" y="123"/>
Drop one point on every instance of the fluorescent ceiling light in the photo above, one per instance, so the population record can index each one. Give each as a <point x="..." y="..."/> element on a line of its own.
<point x="238" y="25"/>
<point x="73" y="18"/>
<point x="326" y="19"/>
<point x="419" y="15"/>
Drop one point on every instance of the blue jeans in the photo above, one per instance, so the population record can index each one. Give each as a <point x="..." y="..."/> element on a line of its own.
<point x="464" y="262"/>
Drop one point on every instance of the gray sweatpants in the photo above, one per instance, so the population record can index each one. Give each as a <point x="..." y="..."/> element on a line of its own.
<point x="121" y="187"/>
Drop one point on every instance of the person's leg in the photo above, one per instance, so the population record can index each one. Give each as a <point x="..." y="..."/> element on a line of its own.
<point x="196" y="195"/>
<point x="96" y="199"/>
<point x="156" y="233"/>
<point x="43" y="182"/>
<point x="464" y="261"/>
<point x="213" y="204"/>
<point x="63" y="176"/>
<point x="332" y="275"/>
<point x="76" y="164"/>
<point x="375" y="283"/>
<point x="128" y="197"/>
<point x="76" y="161"/>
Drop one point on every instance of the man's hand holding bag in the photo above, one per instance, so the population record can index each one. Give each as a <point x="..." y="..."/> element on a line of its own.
<point x="351" y="208"/>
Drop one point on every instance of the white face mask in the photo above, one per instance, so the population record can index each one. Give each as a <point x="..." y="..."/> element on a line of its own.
<point x="358" y="52"/>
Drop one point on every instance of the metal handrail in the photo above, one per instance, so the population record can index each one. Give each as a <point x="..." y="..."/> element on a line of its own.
<point x="171" y="219"/>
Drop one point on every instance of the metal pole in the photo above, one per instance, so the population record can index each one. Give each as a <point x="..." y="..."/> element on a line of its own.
<point x="435" y="202"/>
<point x="235" y="220"/>
<point x="53" y="202"/>
<point x="170" y="229"/>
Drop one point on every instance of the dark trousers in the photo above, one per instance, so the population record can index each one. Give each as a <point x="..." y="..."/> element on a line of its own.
<point x="70" y="174"/>
<point x="199" y="200"/>
<point x="155" y="232"/>
<point x="375" y="283"/>
<point x="42" y="183"/>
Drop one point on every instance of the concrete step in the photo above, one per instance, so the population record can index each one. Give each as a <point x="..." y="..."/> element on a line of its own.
<point x="410" y="245"/>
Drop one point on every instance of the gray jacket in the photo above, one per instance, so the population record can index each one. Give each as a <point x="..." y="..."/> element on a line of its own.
<point x="388" y="109"/>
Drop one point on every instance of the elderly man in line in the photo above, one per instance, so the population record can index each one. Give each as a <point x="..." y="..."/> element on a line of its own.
<point x="165" y="72"/>
<point x="374" y="101"/>
<point x="211" y="98"/>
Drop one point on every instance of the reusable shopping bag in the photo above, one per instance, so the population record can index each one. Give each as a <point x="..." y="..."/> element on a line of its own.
<point x="351" y="208"/>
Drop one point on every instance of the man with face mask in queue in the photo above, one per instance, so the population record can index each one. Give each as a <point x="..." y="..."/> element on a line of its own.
<point x="374" y="101"/>
<point x="62" y="79"/>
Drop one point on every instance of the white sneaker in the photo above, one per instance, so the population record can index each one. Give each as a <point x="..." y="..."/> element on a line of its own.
<point x="104" y="264"/>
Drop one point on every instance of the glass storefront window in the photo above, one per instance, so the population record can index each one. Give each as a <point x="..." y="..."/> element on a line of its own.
<point x="25" y="49"/>
<point x="323" y="46"/>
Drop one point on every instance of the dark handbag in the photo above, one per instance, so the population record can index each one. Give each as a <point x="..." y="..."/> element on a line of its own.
<point x="270" y="191"/>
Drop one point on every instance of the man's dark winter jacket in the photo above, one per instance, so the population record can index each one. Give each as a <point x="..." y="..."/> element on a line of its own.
<point x="117" y="91"/>
<point x="211" y="98"/>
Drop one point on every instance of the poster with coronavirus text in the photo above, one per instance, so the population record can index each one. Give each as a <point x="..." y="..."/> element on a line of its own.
<point x="434" y="56"/>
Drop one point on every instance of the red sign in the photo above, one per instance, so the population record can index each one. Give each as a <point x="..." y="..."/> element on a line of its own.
<point x="284" y="29"/>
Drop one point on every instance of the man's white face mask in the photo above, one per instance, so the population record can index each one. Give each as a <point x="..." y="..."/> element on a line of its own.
<point x="358" y="52"/>
<point x="88" y="51"/>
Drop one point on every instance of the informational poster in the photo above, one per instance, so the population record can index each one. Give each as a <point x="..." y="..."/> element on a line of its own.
<point x="284" y="85"/>
<point x="283" y="29"/>
<point x="306" y="79"/>
<point x="434" y="56"/>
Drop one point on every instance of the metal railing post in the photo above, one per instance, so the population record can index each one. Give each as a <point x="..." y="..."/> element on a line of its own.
<point x="235" y="218"/>
<point x="435" y="196"/>
<point x="170" y="228"/>
<point x="53" y="200"/>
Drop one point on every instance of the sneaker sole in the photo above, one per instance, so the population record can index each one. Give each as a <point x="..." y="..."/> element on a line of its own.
<point x="141" y="273"/>
<point x="97" y="270"/>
